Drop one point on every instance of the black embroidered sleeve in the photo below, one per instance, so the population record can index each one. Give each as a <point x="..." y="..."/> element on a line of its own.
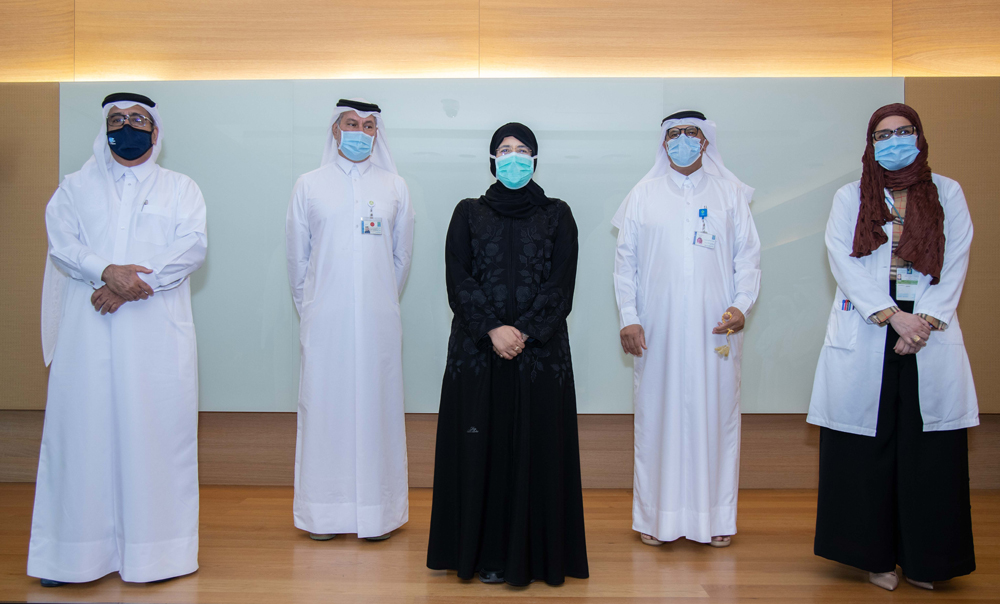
<point x="470" y="303"/>
<point x="554" y="300"/>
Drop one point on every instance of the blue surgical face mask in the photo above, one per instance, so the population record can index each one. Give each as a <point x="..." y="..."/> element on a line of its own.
<point x="897" y="152"/>
<point x="355" y="145"/>
<point x="684" y="150"/>
<point x="129" y="143"/>
<point x="514" y="170"/>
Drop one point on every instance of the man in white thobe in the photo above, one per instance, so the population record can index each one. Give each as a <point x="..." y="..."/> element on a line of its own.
<point x="117" y="487"/>
<point x="349" y="236"/>
<point x="687" y="270"/>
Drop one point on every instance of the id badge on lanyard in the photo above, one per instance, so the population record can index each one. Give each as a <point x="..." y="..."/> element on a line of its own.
<point x="906" y="278"/>
<point x="703" y="238"/>
<point x="373" y="224"/>
<point x="906" y="284"/>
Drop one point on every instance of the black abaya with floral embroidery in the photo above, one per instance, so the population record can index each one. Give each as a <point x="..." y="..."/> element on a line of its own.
<point x="507" y="490"/>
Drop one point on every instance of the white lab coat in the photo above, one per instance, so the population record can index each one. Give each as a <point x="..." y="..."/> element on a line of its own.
<point x="687" y="412"/>
<point x="350" y="454"/>
<point x="117" y="486"/>
<point x="848" y="379"/>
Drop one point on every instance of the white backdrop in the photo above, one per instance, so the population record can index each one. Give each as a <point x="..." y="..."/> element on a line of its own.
<point x="796" y="140"/>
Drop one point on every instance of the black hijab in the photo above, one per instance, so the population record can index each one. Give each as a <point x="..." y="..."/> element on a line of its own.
<point x="514" y="203"/>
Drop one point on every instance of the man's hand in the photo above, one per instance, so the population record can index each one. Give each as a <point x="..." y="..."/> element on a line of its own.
<point x="731" y="319"/>
<point x="507" y="341"/>
<point x="912" y="330"/>
<point x="633" y="339"/>
<point x="106" y="301"/>
<point x="124" y="281"/>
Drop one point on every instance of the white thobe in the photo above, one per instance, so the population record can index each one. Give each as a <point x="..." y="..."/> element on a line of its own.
<point x="855" y="347"/>
<point x="350" y="453"/>
<point x="117" y="486"/>
<point x="687" y="412"/>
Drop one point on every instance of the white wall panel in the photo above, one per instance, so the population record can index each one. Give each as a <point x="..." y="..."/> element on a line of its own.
<point x="245" y="143"/>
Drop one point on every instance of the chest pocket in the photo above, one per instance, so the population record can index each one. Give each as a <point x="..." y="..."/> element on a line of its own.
<point x="716" y="223"/>
<point x="386" y="210"/>
<point x="154" y="225"/>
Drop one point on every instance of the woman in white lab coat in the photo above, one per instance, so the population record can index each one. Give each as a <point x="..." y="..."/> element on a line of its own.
<point x="893" y="392"/>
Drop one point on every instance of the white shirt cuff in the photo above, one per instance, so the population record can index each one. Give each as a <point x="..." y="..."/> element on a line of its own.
<point x="92" y="268"/>
<point x="629" y="317"/>
<point x="743" y="302"/>
<point x="150" y="279"/>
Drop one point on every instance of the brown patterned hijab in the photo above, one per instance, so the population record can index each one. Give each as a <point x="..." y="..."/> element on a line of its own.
<point x="922" y="241"/>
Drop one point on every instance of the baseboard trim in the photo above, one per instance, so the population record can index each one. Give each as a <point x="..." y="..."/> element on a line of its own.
<point x="778" y="451"/>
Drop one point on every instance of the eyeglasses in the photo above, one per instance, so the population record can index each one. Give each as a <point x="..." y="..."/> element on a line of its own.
<point x="884" y="135"/>
<point x="136" y="120"/>
<point x="507" y="150"/>
<point x="691" y="131"/>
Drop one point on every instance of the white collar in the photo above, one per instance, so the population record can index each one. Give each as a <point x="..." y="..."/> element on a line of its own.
<point x="141" y="172"/>
<point x="347" y="165"/>
<point x="679" y="178"/>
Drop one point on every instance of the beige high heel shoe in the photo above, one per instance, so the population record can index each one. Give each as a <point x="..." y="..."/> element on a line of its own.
<point x="887" y="581"/>
<point x="920" y="584"/>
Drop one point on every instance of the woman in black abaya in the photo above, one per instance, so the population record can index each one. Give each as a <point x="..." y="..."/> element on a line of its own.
<point x="507" y="494"/>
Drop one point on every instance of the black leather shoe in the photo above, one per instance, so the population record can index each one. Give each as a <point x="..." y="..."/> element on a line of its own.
<point x="491" y="576"/>
<point x="51" y="583"/>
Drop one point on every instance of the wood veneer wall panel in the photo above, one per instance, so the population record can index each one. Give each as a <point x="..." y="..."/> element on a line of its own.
<point x="946" y="37"/>
<point x="36" y="40"/>
<point x="778" y="452"/>
<point x="29" y="173"/>
<point x="61" y="40"/>
<point x="20" y="439"/>
<point x="961" y="118"/>
<point x="259" y="448"/>
<point x="624" y="38"/>
<point x="264" y="39"/>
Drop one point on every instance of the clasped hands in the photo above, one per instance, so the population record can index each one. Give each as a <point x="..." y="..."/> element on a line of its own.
<point x="913" y="332"/>
<point x="121" y="284"/>
<point x="508" y="341"/>
<point x="633" y="336"/>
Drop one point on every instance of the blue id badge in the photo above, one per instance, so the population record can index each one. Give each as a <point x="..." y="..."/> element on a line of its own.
<point x="371" y="226"/>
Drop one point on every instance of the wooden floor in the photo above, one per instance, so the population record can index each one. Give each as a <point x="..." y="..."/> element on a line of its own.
<point x="251" y="553"/>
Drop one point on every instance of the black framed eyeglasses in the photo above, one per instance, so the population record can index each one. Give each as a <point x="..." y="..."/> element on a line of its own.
<point x="691" y="131"/>
<point x="884" y="135"/>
